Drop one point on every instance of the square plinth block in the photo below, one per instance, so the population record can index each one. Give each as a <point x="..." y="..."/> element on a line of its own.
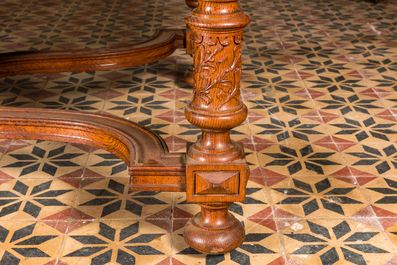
<point x="216" y="182"/>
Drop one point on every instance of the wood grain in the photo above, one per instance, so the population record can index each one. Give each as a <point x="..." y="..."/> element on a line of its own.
<point x="216" y="171"/>
<point x="213" y="172"/>
<point x="139" y="147"/>
<point x="162" y="44"/>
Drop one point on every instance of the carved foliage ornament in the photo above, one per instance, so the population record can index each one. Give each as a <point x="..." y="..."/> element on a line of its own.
<point x="217" y="71"/>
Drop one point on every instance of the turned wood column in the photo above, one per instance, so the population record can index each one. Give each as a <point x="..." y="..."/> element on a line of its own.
<point x="216" y="171"/>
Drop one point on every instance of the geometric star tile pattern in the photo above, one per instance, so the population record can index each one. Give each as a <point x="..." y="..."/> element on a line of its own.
<point x="320" y="82"/>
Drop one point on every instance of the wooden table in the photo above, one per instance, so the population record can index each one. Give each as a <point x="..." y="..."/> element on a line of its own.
<point x="213" y="171"/>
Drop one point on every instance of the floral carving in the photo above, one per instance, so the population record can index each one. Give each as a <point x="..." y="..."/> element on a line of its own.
<point x="217" y="70"/>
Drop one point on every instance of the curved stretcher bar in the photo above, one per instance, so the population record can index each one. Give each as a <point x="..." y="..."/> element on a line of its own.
<point x="162" y="44"/>
<point x="151" y="165"/>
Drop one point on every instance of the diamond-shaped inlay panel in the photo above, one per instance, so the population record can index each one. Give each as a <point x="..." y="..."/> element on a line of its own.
<point x="217" y="182"/>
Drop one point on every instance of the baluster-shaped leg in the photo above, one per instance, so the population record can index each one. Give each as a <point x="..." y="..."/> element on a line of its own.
<point x="216" y="171"/>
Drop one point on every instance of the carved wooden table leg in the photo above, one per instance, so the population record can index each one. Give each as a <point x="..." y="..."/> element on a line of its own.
<point x="216" y="171"/>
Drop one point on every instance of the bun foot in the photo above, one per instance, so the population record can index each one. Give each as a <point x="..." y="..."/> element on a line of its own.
<point x="214" y="230"/>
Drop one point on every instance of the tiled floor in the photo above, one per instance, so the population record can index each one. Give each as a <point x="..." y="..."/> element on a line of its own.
<point x="320" y="81"/>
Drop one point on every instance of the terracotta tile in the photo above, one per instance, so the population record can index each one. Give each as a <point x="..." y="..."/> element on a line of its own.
<point x="328" y="69"/>
<point x="111" y="199"/>
<point x="324" y="66"/>
<point x="119" y="239"/>
<point x="380" y="194"/>
<point x="288" y="129"/>
<point x="32" y="199"/>
<point x="391" y="232"/>
<point x="70" y="101"/>
<point x="301" y="159"/>
<point x="29" y="242"/>
<point x="317" y="197"/>
<point x="280" y="104"/>
<point x="363" y="129"/>
<point x="350" y="105"/>
<point x="374" y="158"/>
<point x="335" y="239"/>
<point x="103" y="163"/>
<point x="43" y="160"/>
